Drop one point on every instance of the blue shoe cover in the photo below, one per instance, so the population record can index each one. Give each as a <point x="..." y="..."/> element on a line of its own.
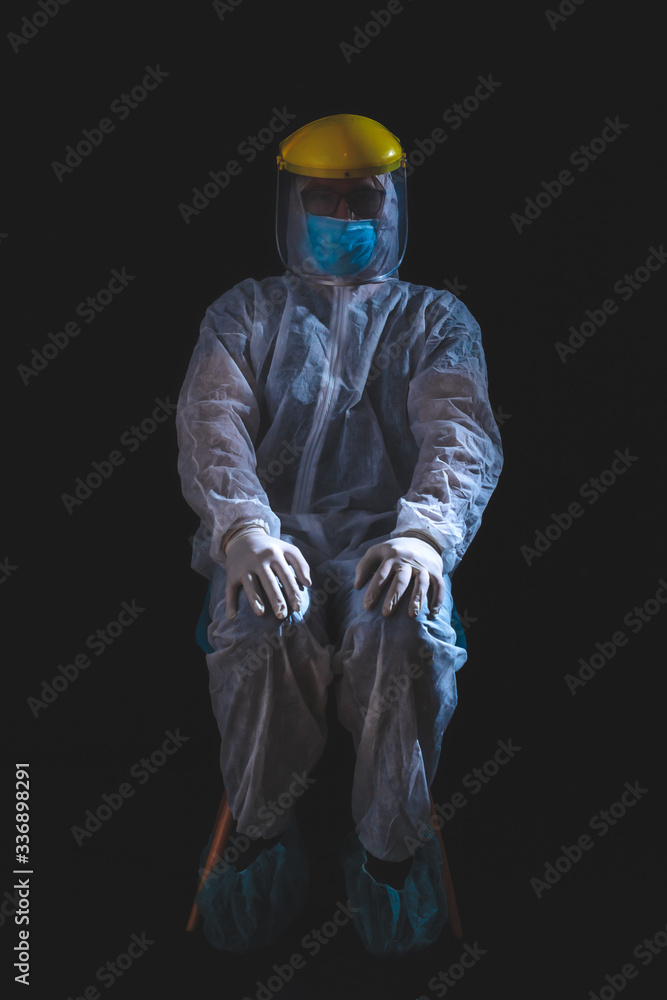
<point x="248" y="910"/>
<point x="391" y="921"/>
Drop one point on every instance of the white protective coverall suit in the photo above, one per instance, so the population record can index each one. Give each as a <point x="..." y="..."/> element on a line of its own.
<point x="337" y="416"/>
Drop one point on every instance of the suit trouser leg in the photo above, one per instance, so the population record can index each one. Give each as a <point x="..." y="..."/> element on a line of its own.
<point x="396" y="695"/>
<point x="268" y="683"/>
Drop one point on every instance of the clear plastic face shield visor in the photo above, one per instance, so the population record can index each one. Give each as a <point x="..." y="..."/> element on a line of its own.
<point x="342" y="233"/>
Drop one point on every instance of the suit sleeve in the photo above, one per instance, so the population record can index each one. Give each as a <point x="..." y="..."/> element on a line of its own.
<point x="460" y="451"/>
<point x="217" y="420"/>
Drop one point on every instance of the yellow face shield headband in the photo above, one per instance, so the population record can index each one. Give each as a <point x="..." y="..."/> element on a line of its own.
<point x="341" y="146"/>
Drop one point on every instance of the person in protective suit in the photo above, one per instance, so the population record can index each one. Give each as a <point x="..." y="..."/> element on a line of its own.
<point x="337" y="442"/>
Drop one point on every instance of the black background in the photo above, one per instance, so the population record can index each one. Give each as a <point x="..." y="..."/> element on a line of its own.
<point x="527" y="625"/>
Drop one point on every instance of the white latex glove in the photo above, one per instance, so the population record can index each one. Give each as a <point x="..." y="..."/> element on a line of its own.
<point x="402" y="560"/>
<point x="255" y="558"/>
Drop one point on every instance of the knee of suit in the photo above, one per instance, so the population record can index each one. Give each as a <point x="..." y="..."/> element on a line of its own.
<point x="400" y="635"/>
<point x="250" y="656"/>
<point x="384" y="669"/>
<point x="248" y="631"/>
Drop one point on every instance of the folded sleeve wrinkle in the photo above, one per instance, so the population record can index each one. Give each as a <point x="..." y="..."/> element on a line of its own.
<point x="217" y="421"/>
<point x="460" y="452"/>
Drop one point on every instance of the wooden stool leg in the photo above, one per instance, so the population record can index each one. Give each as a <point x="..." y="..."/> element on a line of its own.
<point x="454" y="919"/>
<point x="223" y="827"/>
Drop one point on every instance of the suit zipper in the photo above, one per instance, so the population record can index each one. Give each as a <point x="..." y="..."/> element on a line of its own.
<point x="313" y="448"/>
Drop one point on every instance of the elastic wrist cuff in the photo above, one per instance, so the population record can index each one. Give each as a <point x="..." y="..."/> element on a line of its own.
<point x="243" y="529"/>
<point x="423" y="535"/>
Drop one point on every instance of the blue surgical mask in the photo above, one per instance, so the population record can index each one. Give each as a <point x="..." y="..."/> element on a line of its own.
<point x="341" y="246"/>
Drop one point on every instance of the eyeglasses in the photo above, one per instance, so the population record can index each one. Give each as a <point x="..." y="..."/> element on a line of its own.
<point x="363" y="202"/>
